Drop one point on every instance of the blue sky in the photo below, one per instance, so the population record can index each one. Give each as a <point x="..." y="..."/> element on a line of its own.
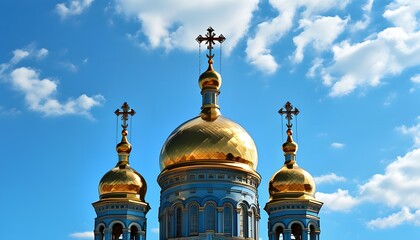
<point x="351" y="67"/>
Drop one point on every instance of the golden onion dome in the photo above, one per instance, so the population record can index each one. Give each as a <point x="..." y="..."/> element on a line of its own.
<point x="122" y="181"/>
<point x="198" y="141"/>
<point x="210" y="78"/>
<point x="291" y="181"/>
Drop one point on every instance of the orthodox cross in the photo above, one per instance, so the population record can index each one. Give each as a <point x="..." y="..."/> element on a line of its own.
<point x="126" y="110"/>
<point x="210" y="38"/>
<point x="288" y="110"/>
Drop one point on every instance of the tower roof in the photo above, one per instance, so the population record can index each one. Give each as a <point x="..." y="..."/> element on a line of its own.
<point x="291" y="181"/>
<point x="123" y="181"/>
<point x="210" y="137"/>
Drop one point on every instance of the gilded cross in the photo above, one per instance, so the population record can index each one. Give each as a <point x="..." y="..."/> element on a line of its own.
<point x="289" y="110"/>
<point x="126" y="110"/>
<point x="210" y="38"/>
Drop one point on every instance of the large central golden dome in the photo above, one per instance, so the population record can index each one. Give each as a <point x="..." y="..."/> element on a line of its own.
<point x="197" y="141"/>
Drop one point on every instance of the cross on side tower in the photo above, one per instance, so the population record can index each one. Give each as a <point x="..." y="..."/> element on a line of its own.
<point x="210" y="38"/>
<point x="289" y="111"/>
<point x="126" y="110"/>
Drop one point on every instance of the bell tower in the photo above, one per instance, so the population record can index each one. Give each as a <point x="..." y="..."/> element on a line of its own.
<point x="121" y="209"/>
<point x="292" y="207"/>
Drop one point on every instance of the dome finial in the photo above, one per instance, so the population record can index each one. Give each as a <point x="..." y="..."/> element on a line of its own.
<point x="210" y="38"/>
<point x="289" y="147"/>
<point x="124" y="147"/>
<point x="210" y="80"/>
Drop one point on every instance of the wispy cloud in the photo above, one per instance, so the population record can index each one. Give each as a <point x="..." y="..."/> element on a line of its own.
<point x="155" y="230"/>
<point x="9" y="112"/>
<point x="415" y="79"/>
<point x="387" y="53"/>
<point x="271" y="31"/>
<point x="337" y="145"/>
<point x="175" y="24"/>
<point x="329" y="178"/>
<point x="387" y="188"/>
<point x="413" y="131"/>
<point x="83" y="235"/>
<point x="320" y="33"/>
<point x="395" y="219"/>
<point x="72" y="7"/>
<point x="340" y="201"/>
<point x="390" y="98"/>
<point x="39" y="93"/>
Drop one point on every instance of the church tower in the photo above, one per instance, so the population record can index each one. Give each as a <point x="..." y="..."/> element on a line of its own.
<point x="292" y="208"/>
<point x="208" y="173"/>
<point x="121" y="209"/>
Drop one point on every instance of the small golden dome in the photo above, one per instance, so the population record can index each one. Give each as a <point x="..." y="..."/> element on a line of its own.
<point x="198" y="141"/>
<point x="210" y="78"/>
<point x="124" y="146"/>
<point x="122" y="182"/>
<point x="291" y="181"/>
<point x="289" y="147"/>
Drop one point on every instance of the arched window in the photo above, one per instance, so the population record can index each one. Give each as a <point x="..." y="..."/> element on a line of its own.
<point x="134" y="233"/>
<point x="101" y="232"/>
<point x="210" y="216"/>
<point x="297" y="231"/>
<point x="312" y="233"/>
<point x="279" y="233"/>
<point x="178" y="221"/>
<point x="117" y="231"/>
<point x="243" y="222"/>
<point x="193" y="218"/>
<point x="227" y="220"/>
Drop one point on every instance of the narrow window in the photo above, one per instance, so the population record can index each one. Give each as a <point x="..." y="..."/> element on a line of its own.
<point x="312" y="233"/>
<point x="101" y="232"/>
<point x="279" y="233"/>
<point x="243" y="222"/>
<point x="227" y="220"/>
<point x="193" y="211"/>
<point x="178" y="226"/>
<point x="117" y="231"/>
<point x="134" y="233"/>
<point x="297" y="231"/>
<point x="210" y="214"/>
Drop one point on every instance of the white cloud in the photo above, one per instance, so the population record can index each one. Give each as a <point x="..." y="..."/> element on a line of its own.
<point x="362" y="24"/>
<point x="402" y="13"/>
<point x="400" y="184"/>
<point x="70" y="66"/>
<point x="155" y="230"/>
<point x="415" y="79"/>
<point x="72" y="7"/>
<point x="18" y="55"/>
<point x="320" y="32"/>
<point x="340" y="201"/>
<point x="329" y="178"/>
<point x="316" y="64"/>
<point x="337" y="145"/>
<point x="40" y="93"/>
<point x="414" y="131"/>
<point x="395" y="219"/>
<point x="387" y="53"/>
<point x="175" y="24"/>
<point x="83" y="235"/>
<point x="269" y="32"/>
<point x="41" y="53"/>
<point x="366" y="63"/>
